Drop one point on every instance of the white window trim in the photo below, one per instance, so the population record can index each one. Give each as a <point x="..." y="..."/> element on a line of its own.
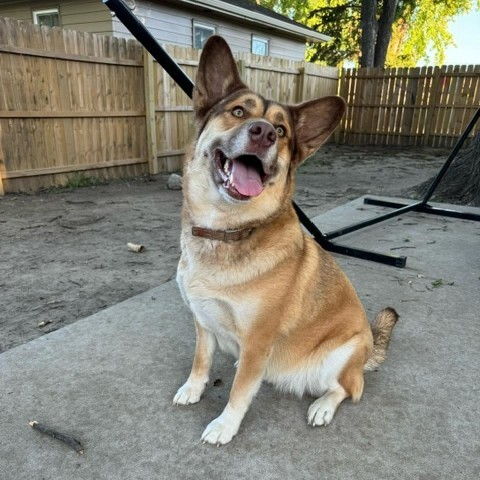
<point x="201" y="24"/>
<point x="262" y="39"/>
<point x="45" y="11"/>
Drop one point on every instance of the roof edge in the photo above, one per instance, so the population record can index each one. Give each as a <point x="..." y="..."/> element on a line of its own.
<point x="258" y="18"/>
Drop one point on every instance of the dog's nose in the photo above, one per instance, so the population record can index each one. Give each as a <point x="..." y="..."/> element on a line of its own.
<point x="262" y="134"/>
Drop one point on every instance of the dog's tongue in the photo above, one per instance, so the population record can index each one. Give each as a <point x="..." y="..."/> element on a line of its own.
<point x="246" y="179"/>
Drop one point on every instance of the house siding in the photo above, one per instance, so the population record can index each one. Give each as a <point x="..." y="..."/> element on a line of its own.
<point x="168" y="23"/>
<point x="172" y="25"/>
<point x="21" y="11"/>
<point x="87" y="16"/>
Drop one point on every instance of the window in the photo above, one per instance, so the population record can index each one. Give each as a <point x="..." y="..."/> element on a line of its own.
<point x="201" y="32"/>
<point x="49" y="17"/>
<point x="259" y="45"/>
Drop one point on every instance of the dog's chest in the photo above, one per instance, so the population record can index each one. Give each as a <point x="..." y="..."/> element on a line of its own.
<point x="222" y="310"/>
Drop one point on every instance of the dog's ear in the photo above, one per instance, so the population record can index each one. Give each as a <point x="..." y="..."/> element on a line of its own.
<point x="217" y="76"/>
<point x="314" y="122"/>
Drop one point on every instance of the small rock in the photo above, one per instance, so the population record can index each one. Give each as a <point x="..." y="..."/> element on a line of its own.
<point x="174" y="182"/>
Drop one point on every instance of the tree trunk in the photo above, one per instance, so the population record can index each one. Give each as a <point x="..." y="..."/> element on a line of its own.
<point x="369" y="26"/>
<point x="384" y="35"/>
<point x="461" y="183"/>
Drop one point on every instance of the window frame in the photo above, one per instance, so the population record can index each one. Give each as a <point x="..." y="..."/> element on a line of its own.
<point x="204" y="25"/>
<point x="265" y="41"/>
<point x="45" y="11"/>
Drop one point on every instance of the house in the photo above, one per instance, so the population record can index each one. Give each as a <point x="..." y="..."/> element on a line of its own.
<point x="246" y="26"/>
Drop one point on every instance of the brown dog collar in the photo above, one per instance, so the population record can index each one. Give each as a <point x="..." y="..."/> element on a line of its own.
<point x="227" y="236"/>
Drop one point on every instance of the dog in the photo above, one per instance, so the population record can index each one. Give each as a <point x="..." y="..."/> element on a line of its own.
<point x="258" y="286"/>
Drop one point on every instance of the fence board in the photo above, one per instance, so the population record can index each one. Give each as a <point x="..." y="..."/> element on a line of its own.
<point x="79" y="102"/>
<point x="2" y="165"/>
<point x="69" y="102"/>
<point x="428" y="106"/>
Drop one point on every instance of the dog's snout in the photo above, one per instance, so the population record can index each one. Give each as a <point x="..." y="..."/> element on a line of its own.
<point x="262" y="134"/>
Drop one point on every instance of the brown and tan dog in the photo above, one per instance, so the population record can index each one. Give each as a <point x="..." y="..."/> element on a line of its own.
<point x="258" y="286"/>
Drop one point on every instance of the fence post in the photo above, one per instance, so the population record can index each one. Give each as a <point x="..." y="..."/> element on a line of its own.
<point x="301" y="84"/>
<point x="342" y="89"/>
<point x="2" y="166"/>
<point x="432" y="99"/>
<point x="149" y="82"/>
<point x="242" y="68"/>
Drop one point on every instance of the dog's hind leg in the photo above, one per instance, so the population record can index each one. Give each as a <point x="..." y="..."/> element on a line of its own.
<point x="193" y="388"/>
<point x="323" y="409"/>
<point x="348" y="383"/>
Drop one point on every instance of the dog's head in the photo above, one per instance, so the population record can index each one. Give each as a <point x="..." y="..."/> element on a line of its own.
<point x="247" y="147"/>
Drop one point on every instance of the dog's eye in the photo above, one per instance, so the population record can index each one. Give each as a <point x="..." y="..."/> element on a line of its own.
<point x="280" y="131"/>
<point x="237" y="112"/>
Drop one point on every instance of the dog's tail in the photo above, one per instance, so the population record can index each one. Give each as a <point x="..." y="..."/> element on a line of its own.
<point x="382" y="328"/>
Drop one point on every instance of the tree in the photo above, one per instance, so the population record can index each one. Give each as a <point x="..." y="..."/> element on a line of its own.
<point x="381" y="33"/>
<point x="461" y="184"/>
<point x="376" y="34"/>
<point x="369" y="25"/>
<point x="420" y="31"/>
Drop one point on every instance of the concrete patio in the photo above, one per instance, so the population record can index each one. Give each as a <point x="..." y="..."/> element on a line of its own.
<point x="109" y="380"/>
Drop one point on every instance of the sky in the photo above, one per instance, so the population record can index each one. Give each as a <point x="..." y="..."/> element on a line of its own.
<point x="466" y="33"/>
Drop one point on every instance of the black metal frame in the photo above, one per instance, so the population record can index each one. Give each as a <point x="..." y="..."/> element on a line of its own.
<point x="140" y="32"/>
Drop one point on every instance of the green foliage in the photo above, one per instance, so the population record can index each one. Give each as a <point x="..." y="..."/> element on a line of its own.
<point x="340" y="19"/>
<point x="324" y="17"/>
<point x="441" y="283"/>
<point x="79" y="180"/>
<point x="420" y="30"/>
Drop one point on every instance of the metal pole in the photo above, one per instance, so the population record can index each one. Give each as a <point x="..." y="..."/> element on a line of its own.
<point x="140" y="32"/>
<point x="325" y="243"/>
<point x="371" y="221"/>
<point x="450" y="158"/>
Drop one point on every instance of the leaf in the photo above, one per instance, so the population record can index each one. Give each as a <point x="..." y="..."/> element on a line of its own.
<point x="420" y="30"/>
<point x="441" y="283"/>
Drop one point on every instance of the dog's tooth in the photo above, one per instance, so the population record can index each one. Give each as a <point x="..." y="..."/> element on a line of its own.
<point x="226" y="167"/>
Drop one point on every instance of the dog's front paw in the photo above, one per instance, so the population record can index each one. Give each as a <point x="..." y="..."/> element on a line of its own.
<point x="189" y="393"/>
<point x="219" y="432"/>
<point x="321" y="412"/>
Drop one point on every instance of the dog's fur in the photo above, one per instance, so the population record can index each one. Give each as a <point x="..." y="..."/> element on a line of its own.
<point x="258" y="286"/>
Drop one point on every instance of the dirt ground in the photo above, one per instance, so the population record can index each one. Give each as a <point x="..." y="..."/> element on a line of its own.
<point x="64" y="253"/>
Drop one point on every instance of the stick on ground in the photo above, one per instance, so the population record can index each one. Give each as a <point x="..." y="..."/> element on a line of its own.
<point x="70" y="441"/>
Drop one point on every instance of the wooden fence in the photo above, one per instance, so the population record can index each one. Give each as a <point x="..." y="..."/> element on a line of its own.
<point x="427" y="106"/>
<point x="171" y="117"/>
<point x="69" y="102"/>
<point x="73" y="102"/>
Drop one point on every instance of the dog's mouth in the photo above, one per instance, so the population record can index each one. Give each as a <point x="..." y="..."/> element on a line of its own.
<point x="243" y="176"/>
